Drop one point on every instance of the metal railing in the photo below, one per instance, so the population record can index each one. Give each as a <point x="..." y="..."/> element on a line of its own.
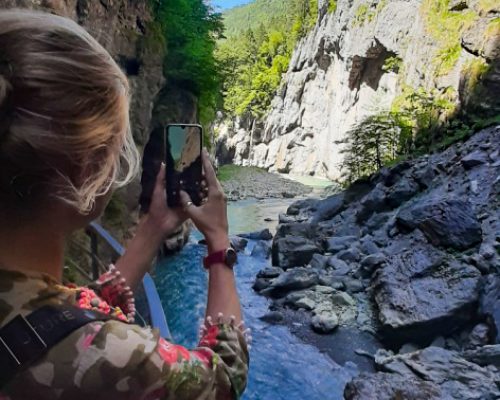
<point x="148" y="304"/>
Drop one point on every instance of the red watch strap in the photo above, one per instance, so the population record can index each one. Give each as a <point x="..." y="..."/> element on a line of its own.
<point x="214" y="258"/>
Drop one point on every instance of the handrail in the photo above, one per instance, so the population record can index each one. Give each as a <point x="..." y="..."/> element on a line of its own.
<point x="157" y="314"/>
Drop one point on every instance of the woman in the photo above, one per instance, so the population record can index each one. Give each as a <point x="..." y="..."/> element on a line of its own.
<point x="65" y="143"/>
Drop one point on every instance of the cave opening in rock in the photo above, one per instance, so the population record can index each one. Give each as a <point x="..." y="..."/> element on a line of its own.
<point x="130" y="65"/>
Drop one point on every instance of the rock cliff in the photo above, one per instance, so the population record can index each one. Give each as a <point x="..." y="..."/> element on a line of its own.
<point x="354" y="63"/>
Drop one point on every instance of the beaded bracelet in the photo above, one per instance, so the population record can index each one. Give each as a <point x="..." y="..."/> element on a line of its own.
<point x="208" y="323"/>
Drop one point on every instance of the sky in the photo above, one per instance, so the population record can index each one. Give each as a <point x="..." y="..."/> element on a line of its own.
<point x="224" y="4"/>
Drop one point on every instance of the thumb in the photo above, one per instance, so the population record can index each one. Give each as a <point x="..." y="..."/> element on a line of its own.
<point x="191" y="210"/>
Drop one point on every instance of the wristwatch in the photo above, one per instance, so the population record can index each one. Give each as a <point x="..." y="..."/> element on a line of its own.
<point x="227" y="257"/>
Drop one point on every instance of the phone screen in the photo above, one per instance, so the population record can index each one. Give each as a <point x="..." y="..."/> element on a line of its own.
<point x="183" y="145"/>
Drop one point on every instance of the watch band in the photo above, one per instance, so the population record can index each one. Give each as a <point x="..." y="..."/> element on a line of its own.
<point x="226" y="257"/>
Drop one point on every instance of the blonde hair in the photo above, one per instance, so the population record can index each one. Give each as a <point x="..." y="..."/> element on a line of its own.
<point x="64" y="111"/>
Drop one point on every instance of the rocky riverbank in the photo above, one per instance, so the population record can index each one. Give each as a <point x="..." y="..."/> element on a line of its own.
<point x="243" y="182"/>
<point x="409" y="257"/>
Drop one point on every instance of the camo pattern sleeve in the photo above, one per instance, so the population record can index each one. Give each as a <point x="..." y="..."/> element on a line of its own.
<point x="115" y="360"/>
<point x="121" y="361"/>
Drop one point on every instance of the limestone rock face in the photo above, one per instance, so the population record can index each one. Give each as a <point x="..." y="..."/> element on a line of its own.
<point x="338" y="76"/>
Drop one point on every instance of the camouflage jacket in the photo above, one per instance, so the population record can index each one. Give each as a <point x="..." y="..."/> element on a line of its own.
<point x="114" y="360"/>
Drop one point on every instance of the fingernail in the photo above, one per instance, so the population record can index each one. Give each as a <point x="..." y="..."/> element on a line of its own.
<point x="163" y="164"/>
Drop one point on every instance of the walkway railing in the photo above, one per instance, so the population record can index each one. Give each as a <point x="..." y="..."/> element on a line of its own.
<point x="148" y="304"/>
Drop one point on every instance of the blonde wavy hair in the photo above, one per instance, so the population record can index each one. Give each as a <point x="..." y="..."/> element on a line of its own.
<point x="64" y="112"/>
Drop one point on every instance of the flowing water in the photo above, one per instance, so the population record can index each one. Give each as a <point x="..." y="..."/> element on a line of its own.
<point x="282" y="366"/>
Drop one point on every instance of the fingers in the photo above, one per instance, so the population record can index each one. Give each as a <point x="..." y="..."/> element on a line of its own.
<point x="187" y="205"/>
<point x="160" y="177"/>
<point x="210" y="176"/>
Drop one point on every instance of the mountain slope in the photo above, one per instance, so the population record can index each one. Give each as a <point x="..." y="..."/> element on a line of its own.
<point x="250" y="16"/>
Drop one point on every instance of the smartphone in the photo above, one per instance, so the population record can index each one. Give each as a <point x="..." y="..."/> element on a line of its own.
<point x="183" y="144"/>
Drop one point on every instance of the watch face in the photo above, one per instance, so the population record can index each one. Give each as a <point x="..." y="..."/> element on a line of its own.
<point x="231" y="257"/>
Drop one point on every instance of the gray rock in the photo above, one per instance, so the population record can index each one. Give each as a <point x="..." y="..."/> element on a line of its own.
<point x="474" y="159"/>
<point x="305" y="303"/>
<point x="319" y="261"/>
<point x="420" y="293"/>
<point x="432" y="373"/>
<point x="401" y="192"/>
<point x="338" y="243"/>
<point x="370" y="263"/>
<point x="353" y="285"/>
<point x="489" y="304"/>
<point x="306" y="205"/>
<point x="261" y="249"/>
<point x="343" y="299"/>
<point x="264" y="234"/>
<point x="447" y="222"/>
<point x="261" y="284"/>
<point x="331" y="281"/>
<point x="368" y="246"/>
<point x="294" y="279"/>
<point x="424" y="176"/>
<point x="479" y="336"/>
<point x="383" y="386"/>
<point x="293" y="251"/>
<point x="339" y="267"/>
<point x="374" y="201"/>
<point x="329" y="207"/>
<point x="238" y="243"/>
<point x="485" y="355"/>
<point x="269" y="272"/>
<point x="325" y="322"/>
<point x="351" y="254"/>
<point x="273" y="317"/>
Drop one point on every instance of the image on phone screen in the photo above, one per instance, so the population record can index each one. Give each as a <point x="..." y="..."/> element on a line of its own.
<point x="183" y="144"/>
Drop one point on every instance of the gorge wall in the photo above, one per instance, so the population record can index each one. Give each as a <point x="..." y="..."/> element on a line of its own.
<point x="354" y="63"/>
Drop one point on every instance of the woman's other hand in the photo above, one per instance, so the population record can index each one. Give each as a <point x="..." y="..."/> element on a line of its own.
<point x="164" y="219"/>
<point x="211" y="217"/>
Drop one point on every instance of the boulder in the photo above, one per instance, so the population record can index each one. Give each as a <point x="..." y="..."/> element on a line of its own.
<point x="306" y="205"/>
<point x="269" y="272"/>
<point x="261" y="249"/>
<point x="273" y="317"/>
<point x="294" y="279"/>
<point x="484" y="355"/>
<point x="329" y="207"/>
<point x="264" y="234"/>
<point x="424" y="176"/>
<point x="319" y="261"/>
<point x="368" y="246"/>
<point x="374" y="201"/>
<point x="293" y="251"/>
<point x="432" y="373"/>
<point x="422" y="293"/>
<point x="339" y="267"/>
<point x="238" y="243"/>
<point x="489" y="304"/>
<point x="401" y="192"/>
<point x="325" y="322"/>
<point x="351" y="254"/>
<point x="338" y="243"/>
<point x="474" y="159"/>
<point x="447" y="222"/>
<point x="383" y="386"/>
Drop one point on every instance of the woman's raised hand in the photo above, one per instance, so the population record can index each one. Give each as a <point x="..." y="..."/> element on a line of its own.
<point x="211" y="217"/>
<point x="166" y="219"/>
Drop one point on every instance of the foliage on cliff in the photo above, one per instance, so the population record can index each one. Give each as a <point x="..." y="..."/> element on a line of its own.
<point x="260" y="38"/>
<point x="190" y="29"/>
